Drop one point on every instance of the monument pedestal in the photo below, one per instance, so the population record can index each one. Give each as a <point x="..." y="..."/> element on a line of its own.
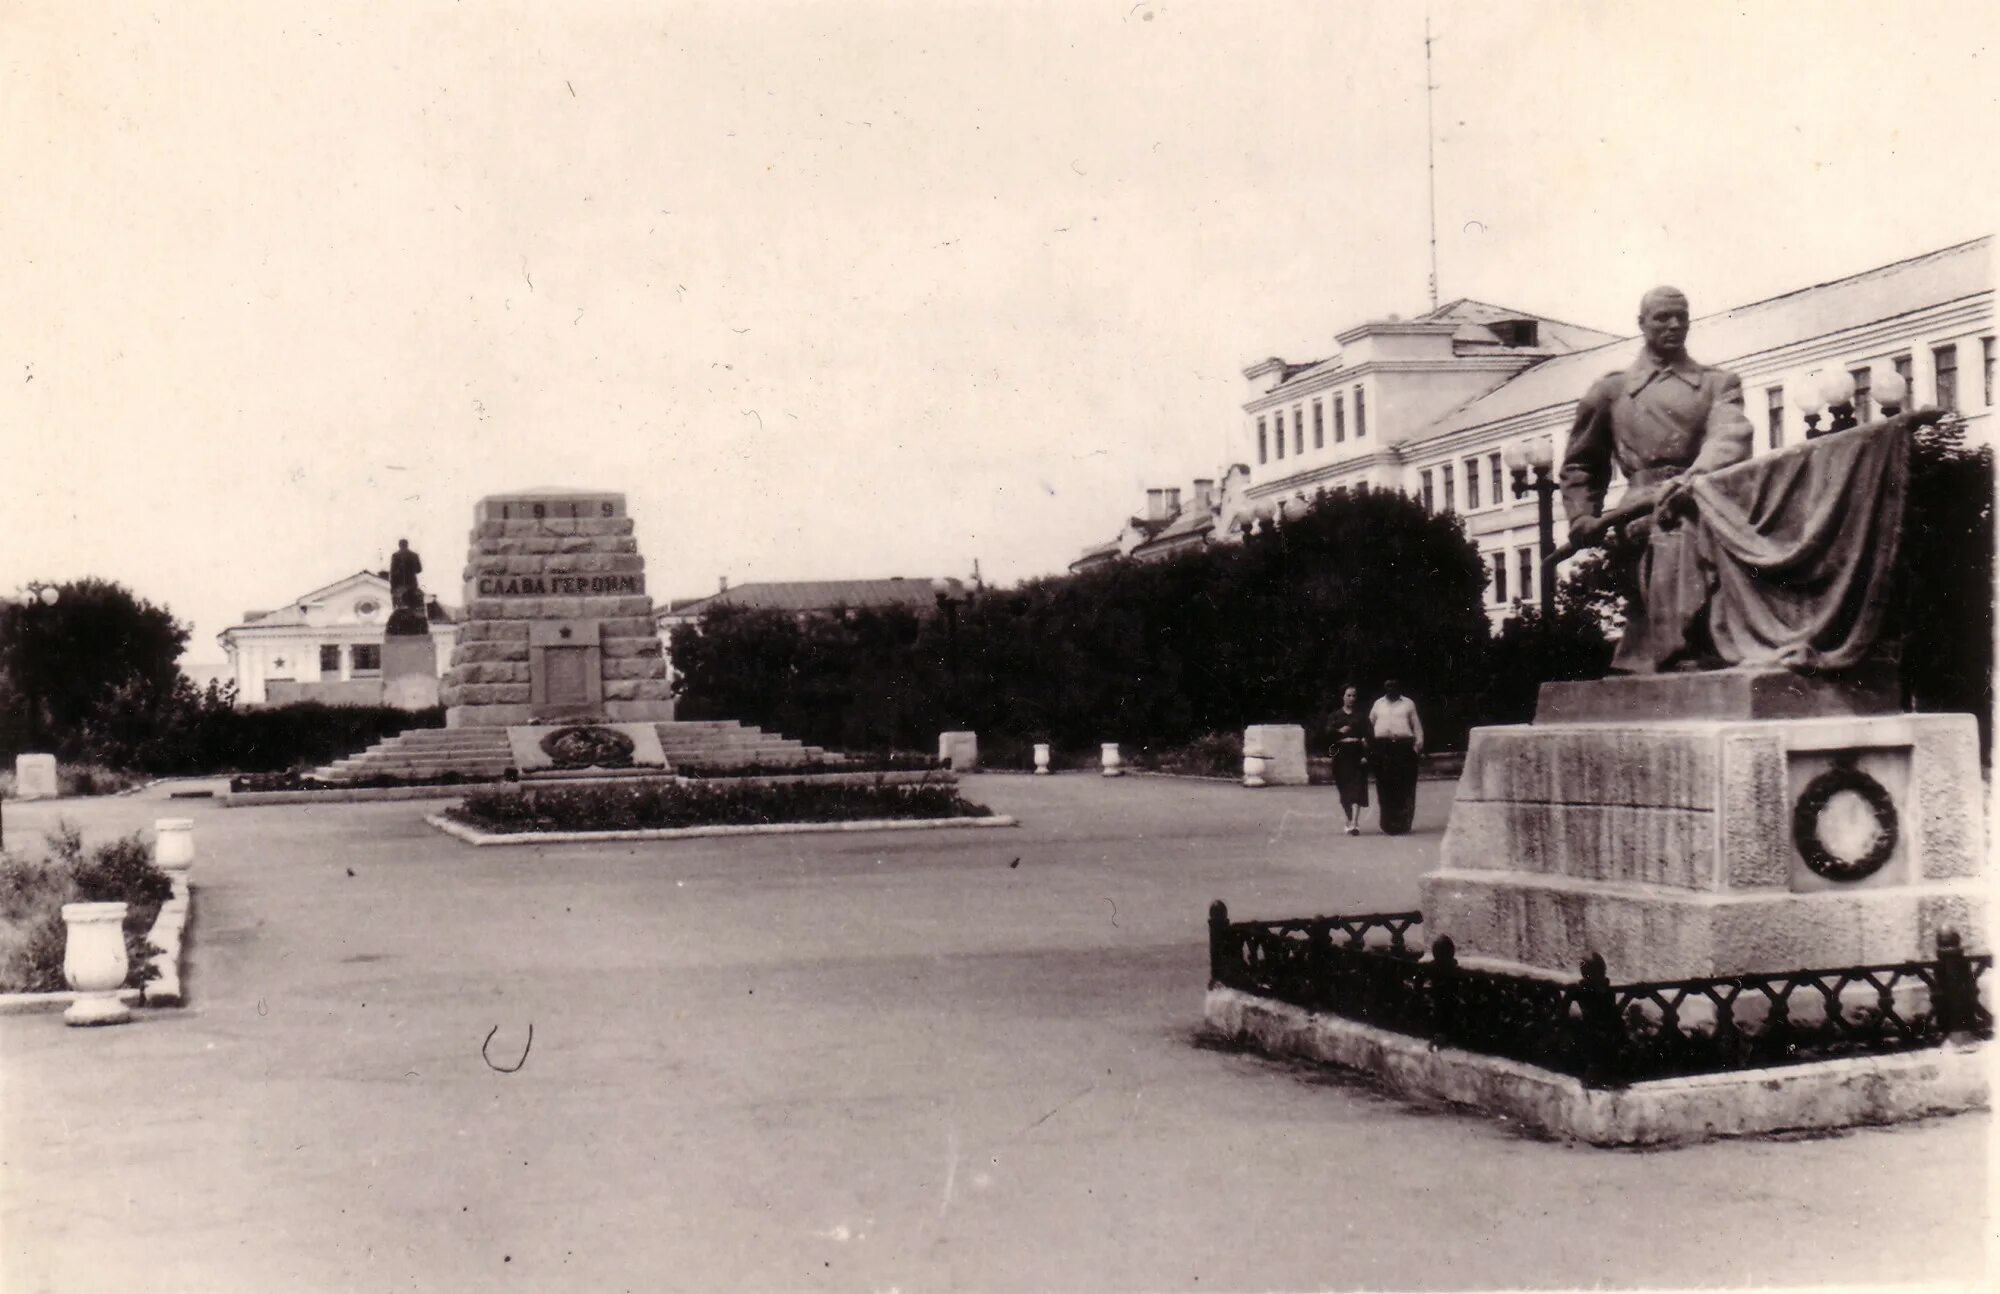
<point x="558" y="625"/>
<point x="1712" y="840"/>
<point x="409" y="671"/>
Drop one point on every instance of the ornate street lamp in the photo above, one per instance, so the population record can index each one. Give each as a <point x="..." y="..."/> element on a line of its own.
<point x="1836" y="390"/>
<point x="1806" y="398"/>
<point x="34" y="596"/>
<point x="1530" y="463"/>
<point x="1890" y="392"/>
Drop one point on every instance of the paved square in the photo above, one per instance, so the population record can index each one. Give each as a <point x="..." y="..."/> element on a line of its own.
<point x="952" y="1060"/>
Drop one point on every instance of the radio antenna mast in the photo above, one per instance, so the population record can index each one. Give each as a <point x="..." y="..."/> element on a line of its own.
<point x="1430" y="155"/>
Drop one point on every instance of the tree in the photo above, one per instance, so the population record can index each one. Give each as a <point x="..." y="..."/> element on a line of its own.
<point x="1364" y="585"/>
<point x="63" y="661"/>
<point x="1530" y="650"/>
<point x="1945" y="577"/>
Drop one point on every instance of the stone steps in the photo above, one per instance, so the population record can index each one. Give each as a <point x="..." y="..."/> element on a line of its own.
<point x="424" y="753"/>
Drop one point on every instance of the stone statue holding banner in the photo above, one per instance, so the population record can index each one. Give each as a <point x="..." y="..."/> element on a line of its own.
<point x="1777" y="562"/>
<point x="406" y="599"/>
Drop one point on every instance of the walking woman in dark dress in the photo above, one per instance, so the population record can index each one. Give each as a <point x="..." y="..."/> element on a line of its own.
<point x="1350" y="758"/>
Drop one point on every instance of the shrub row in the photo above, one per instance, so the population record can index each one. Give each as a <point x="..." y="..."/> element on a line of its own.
<point x="654" y="805"/>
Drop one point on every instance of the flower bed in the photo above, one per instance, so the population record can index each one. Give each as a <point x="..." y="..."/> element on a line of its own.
<point x="259" y="783"/>
<point x="815" y="767"/>
<point x="662" y="805"/>
<point x="33" y="891"/>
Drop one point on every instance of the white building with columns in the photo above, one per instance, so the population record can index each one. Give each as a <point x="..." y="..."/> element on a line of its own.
<point x="325" y="645"/>
<point x="1433" y="406"/>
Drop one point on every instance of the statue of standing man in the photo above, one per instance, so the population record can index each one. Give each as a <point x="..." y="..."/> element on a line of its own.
<point x="406" y="599"/>
<point x="1662" y="421"/>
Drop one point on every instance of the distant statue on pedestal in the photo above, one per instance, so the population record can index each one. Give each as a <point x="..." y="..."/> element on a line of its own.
<point x="406" y="599"/>
<point x="1782" y="561"/>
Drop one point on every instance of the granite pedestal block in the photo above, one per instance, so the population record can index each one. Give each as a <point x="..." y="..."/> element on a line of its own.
<point x="35" y="777"/>
<point x="1283" y="746"/>
<point x="409" y="671"/>
<point x="960" y="750"/>
<point x="1715" y="844"/>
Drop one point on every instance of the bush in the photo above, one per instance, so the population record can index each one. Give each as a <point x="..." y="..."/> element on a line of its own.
<point x="627" y="806"/>
<point x="867" y="763"/>
<point x="33" y="891"/>
<point x="1218" y="754"/>
<point x="185" y="729"/>
<point x="1158" y="654"/>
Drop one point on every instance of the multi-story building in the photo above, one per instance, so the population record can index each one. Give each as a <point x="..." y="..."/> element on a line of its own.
<point x="1432" y="406"/>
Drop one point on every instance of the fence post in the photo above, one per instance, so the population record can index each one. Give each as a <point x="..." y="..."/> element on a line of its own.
<point x="1603" y="1032"/>
<point x="1957" y="993"/>
<point x="1444" y="991"/>
<point x="1218" y="940"/>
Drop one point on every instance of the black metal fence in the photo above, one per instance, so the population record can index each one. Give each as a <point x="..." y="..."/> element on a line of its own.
<point x="1366" y="968"/>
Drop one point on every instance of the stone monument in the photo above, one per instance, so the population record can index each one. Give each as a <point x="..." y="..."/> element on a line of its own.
<point x="1747" y="797"/>
<point x="558" y="628"/>
<point x="409" y="654"/>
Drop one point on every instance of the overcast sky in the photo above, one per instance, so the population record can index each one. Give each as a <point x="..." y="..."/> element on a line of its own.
<point x="848" y="289"/>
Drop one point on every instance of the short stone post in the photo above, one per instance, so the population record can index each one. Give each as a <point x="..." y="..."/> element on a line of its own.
<point x="1253" y="768"/>
<point x="1041" y="759"/>
<point x="173" y="846"/>
<point x="35" y="777"/>
<point x="1218" y="941"/>
<point x="1603" y="1031"/>
<point x="959" y="750"/>
<point x="95" y="963"/>
<point x="1113" y="766"/>
<point x="1957" y="1006"/>
<point x="1444" y="990"/>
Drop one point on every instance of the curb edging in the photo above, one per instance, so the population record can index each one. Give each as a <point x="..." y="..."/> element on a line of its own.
<point x="474" y="836"/>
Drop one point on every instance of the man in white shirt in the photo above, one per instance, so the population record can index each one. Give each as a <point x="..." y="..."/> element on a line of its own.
<point x="1399" y="740"/>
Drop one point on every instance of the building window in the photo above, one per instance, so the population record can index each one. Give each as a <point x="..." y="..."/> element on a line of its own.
<point x="1319" y="425"/>
<point x="1493" y="463"/>
<point x="1774" y="415"/>
<point x="1339" y="418"/>
<point x="367" y="658"/>
<point x="329" y="658"/>
<point x="1500" y="578"/>
<point x="1526" y="563"/>
<point x="1864" y="403"/>
<point x="1904" y="371"/>
<point x="1263" y="444"/>
<point x="1428" y="505"/>
<point x="1360" y="413"/>
<point x="1278" y="431"/>
<point x="1450" y="492"/>
<point x="1986" y="345"/>
<point x="1471" y="485"/>
<point x="1944" y="361"/>
<point x="1298" y="429"/>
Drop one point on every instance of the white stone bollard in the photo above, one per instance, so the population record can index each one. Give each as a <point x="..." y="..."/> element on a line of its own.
<point x="173" y="845"/>
<point x="1254" y="764"/>
<point x="1113" y="766"/>
<point x="35" y="777"/>
<point x="960" y="750"/>
<point x="1283" y="748"/>
<point x="94" y="962"/>
<point x="1041" y="759"/>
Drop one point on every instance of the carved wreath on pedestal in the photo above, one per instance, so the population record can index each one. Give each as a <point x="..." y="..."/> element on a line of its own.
<point x="1806" y="825"/>
<point x="588" y="747"/>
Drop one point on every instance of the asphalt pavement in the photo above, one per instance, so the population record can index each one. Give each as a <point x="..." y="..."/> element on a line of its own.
<point x="955" y="1060"/>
